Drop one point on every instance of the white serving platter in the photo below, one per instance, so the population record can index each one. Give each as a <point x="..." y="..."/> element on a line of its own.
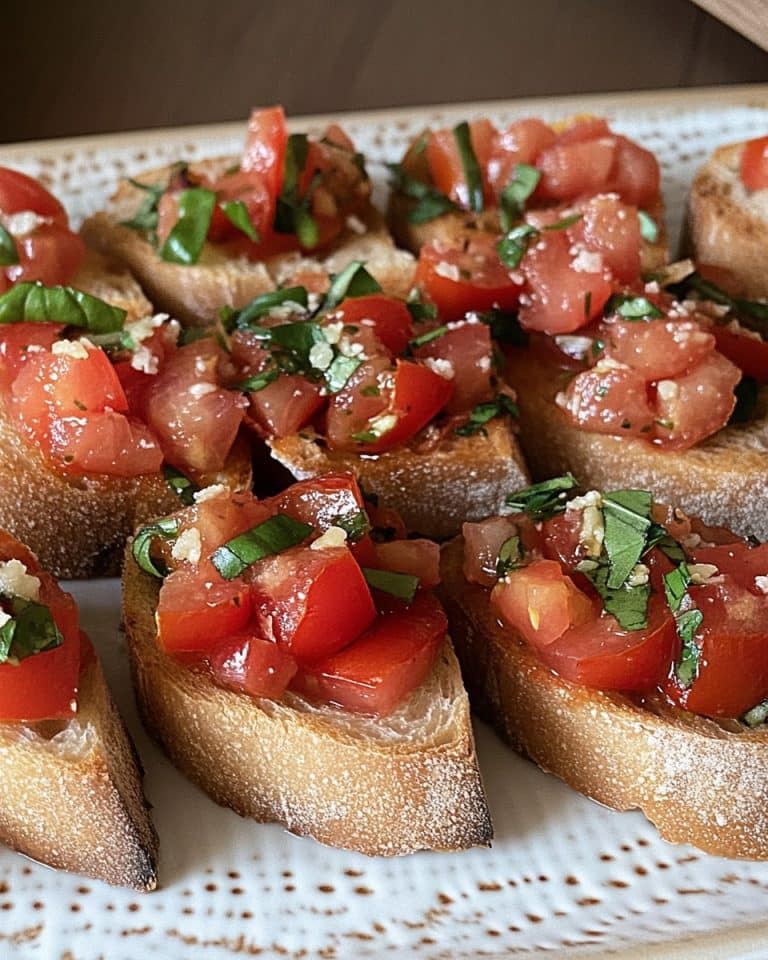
<point x="564" y="877"/>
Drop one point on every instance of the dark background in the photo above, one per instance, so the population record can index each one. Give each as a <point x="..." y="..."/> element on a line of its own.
<point x="93" y="66"/>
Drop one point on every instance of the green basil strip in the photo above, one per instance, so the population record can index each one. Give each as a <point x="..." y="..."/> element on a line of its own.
<point x="421" y="311"/>
<point x="141" y="548"/>
<point x="296" y="151"/>
<point x="356" y="525"/>
<point x="259" y="380"/>
<point x="428" y="337"/>
<point x="145" y="218"/>
<point x="403" y="586"/>
<point x="525" y="179"/>
<point x="649" y="229"/>
<point x="181" y="485"/>
<point x="237" y="213"/>
<point x="8" y="252"/>
<point x="628" y="604"/>
<point x="512" y="246"/>
<point x="542" y="500"/>
<point x="627" y="521"/>
<point x="510" y="555"/>
<point x="659" y="537"/>
<point x="430" y="202"/>
<point x="676" y="584"/>
<point x="265" y="540"/>
<point x="292" y="214"/>
<point x="34" y="303"/>
<point x="752" y="314"/>
<point x="484" y="412"/>
<point x="687" y="668"/>
<point x="353" y="281"/>
<point x="757" y="715"/>
<point x="184" y="243"/>
<point x="306" y="228"/>
<point x="340" y="370"/>
<point x="472" y="173"/>
<point x="505" y="327"/>
<point x="31" y="630"/>
<point x="263" y="305"/>
<point x="631" y="307"/>
<point x="565" y="223"/>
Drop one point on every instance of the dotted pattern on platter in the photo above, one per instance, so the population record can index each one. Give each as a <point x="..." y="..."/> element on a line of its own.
<point x="564" y="876"/>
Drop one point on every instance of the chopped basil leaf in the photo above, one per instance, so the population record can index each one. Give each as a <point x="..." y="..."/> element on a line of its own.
<point x="628" y="604"/>
<point x="141" y="548"/>
<point x="356" y="525"/>
<point x="687" y="667"/>
<point x="565" y="223"/>
<point x="649" y="229"/>
<point x="512" y="246"/>
<point x="510" y="555"/>
<point x="505" y="327"/>
<point x="419" y="310"/>
<point x="627" y="520"/>
<point x="431" y="203"/>
<point x="746" y="391"/>
<point x="34" y="303"/>
<point x="292" y="213"/>
<point x="30" y="630"/>
<point x="8" y="252"/>
<point x="353" y="281"/>
<point x="631" y="307"/>
<point x="145" y="218"/>
<point x="757" y="715"/>
<point x="181" y="485"/>
<point x="305" y="226"/>
<point x="525" y="179"/>
<point x="184" y="243"/>
<point x="484" y="412"/>
<point x="340" y="370"/>
<point x="658" y="537"/>
<point x="259" y="380"/>
<point x="427" y="337"/>
<point x="676" y="584"/>
<point x="403" y="586"/>
<point x="237" y="213"/>
<point x="119" y="340"/>
<point x="263" y="305"/>
<point x="472" y="174"/>
<point x="542" y="500"/>
<point x="265" y="540"/>
<point x="193" y="334"/>
<point x="752" y="314"/>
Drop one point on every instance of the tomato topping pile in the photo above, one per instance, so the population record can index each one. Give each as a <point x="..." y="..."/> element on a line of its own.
<point x="617" y="593"/>
<point x="38" y="244"/>
<point x="754" y="164"/>
<point x="40" y="666"/>
<point x="288" y="193"/>
<point x="294" y="593"/>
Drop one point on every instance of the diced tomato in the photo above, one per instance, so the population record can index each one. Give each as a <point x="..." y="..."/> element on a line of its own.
<point x="44" y="685"/>
<point x="467" y="349"/>
<point x="575" y="169"/>
<point x="420" y="558"/>
<point x="612" y="229"/>
<point x="250" y="189"/>
<point x="195" y="420"/>
<point x="391" y="659"/>
<point x="696" y="405"/>
<point x="389" y="319"/>
<point x="635" y="176"/>
<point x="287" y="404"/>
<point x="322" y="501"/>
<point x="471" y="277"/>
<point x="561" y="537"/>
<point x="108" y="443"/>
<point x="15" y="341"/>
<point x="521" y="142"/>
<point x="598" y="653"/>
<point x="250" y="664"/>
<point x="610" y="400"/>
<point x="482" y="542"/>
<point x="385" y="520"/>
<point x="541" y="602"/>
<point x="219" y="519"/>
<point x="560" y="298"/>
<point x="416" y="396"/>
<point x="52" y="254"/>
<point x="313" y="601"/>
<point x="583" y="129"/>
<point x="746" y="564"/>
<point x="658" y="349"/>
<point x="20" y="193"/>
<point x="750" y="354"/>
<point x="265" y="147"/>
<point x="753" y="168"/>
<point x="444" y="159"/>
<point x="197" y="608"/>
<point x="732" y="673"/>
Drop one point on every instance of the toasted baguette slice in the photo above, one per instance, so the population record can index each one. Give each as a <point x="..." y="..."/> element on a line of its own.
<point x="727" y="226"/>
<point x="462" y="478"/>
<point x="108" y="279"/>
<point x="71" y="796"/>
<point x="723" y="480"/>
<point x="195" y="294"/>
<point x="379" y="786"/>
<point x="698" y="781"/>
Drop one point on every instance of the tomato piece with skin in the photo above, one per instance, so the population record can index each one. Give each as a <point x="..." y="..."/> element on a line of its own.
<point x="247" y="663"/>
<point x="265" y="146"/>
<point x="220" y="518"/>
<point x="657" y="349"/>
<point x="575" y="169"/>
<point x="286" y="405"/>
<point x="482" y="542"/>
<point x="467" y="349"/>
<point x="197" y="608"/>
<point x="313" y="601"/>
<point x="745" y="564"/>
<point x="521" y="142"/>
<point x="750" y="354"/>
<point x="321" y="501"/>
<point x="15" y="341"/>
<point x="697" y="404"/>
<point x="107" y="442"/>
<point x="609" y="400"/>
<point x="611" y="228"/>
<point x="253" y="191"/>
<point x="636" y="176"/>
<point x="541" y="602"/>
<point x="388" y="318"/>
<point x="446" y="167"/>
<point x="20" y="193"/>
<point x="753" y="168"/>
<point x="419" y="558"/>
<point x="392" y="658"/>
<point x="561" y="537"/>
<point x="458" y="280"/>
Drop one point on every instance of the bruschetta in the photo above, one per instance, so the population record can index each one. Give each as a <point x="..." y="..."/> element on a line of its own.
<point x="299" y="671"/>
<point x="621" y="646"/>
<point x="216" y="233"/>
<point x="70" y="790"/>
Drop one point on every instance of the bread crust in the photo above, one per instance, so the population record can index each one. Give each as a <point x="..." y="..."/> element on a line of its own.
<point x="727" y="227"/>
<point x="382" y="789"/>
<point x="462" y="478"/>
<point x="73" y="800"/>
<point x="696" y="780"/>
<point x="723" y="480"/>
